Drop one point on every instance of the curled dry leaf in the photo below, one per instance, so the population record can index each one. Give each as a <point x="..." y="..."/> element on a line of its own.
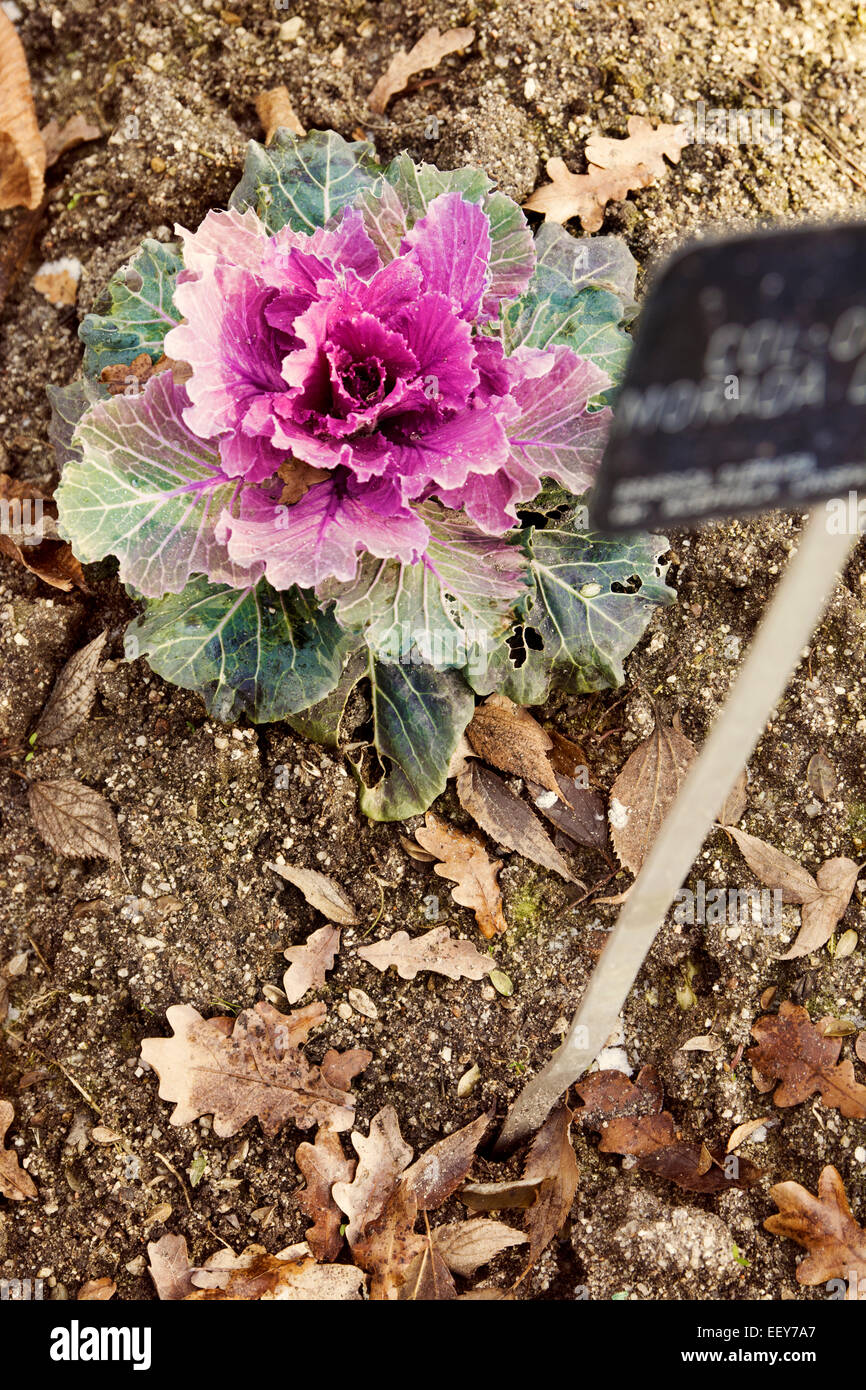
<point x="775" y="869"/>
<point x="436" y="950"/>
<point x="69" y="703"/>
<point x="821" y="776"/>
<point x="323" y="1163"/>
<point x="41" y="551"/>
<point x="551" y="1159"/>
<point x="615" y="168"/>
<point x="630" y="1119"/>
<point x="15" y="1183"/>
<point x="467" y="1245"/>
<point x="169" y="1267"/>
<point x="382" y="1156"/>
<point x="466" y="862"/>
<point x="236" y="1069"/>
<point x="796" y="1052"/>
<point x="22" y="152"/>
<point x="74" y="819"/>
<point x="321" y="892"/>
<point x="275" y="111"/>
<point x="310" y="962"/>
<point x="507" y="819"/>
<point x="746" y="1129"/>
<point x="501" y="1196"/>
<point x="97" y="1291"/>
<point x="506" y="735"/>
<point x="825" y="1226"/>
<point x="644" y="792"/>
<point x="428" y="52"/>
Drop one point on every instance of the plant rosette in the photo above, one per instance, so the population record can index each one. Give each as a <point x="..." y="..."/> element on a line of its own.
<point x="339" y="434"/>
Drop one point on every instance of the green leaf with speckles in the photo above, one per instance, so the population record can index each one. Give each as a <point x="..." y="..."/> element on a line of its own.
<point x="302" y="182"/>
<point x="135" y="311"/>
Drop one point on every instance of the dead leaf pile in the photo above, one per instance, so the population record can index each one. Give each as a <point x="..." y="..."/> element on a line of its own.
<point x="823" y="898"/>
<point x="428" y="52"/>
<point x="825" y="1226"/>
<point x="15" y="1183"/>
<point x="801" y="1056"/>
<point x="252" y="1066"/>
<point x="251" y="1276"/>
<point x="631" y="1120"/>
<point x="615" y="168"/>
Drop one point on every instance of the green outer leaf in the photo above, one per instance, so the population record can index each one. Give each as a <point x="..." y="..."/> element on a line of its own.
<point x="301" y="183"/>
<point x="448" y="610"/>
<point x="133" y="320"/>
<point x="418" y="184"/>
<point x="321" y="722"/>
<point x="418" y="716"/>
<point x="247" y="651"/>
<point x="585" y="636"/>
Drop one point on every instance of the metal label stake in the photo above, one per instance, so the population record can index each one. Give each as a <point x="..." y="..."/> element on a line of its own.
<point x="746" y="390"/>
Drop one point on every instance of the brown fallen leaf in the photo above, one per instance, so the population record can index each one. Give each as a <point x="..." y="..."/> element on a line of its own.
<point x="512" y="1193"/>
<point x="388" y="1246"/>
<point x="22" y="152"/>
<point x="551" y="1159"/>
<point x="836" y="879"/>
<point x="428" y="52"/>
<point x="568" y="758"/>
<point x="321" y="892"/>
<point x="796" y="1052"/>
<point x="323" y="1163"/>
<point x="57" y="281"/>
<point x="15" y="1182"/>
<point x="747" y="1128"/>
<point x="275" y="111"/>
<point x="821" y="776"/>
<point x="46" y="555"/>
<point x="775" y="869"/>
<point x="297" y="478"/>
<point x="382" y="1157"/>
<point x="466" y="862"/>
<point x="97" y="1291"/>
<point x="310" y="962"/>
<point x="860" y="1046"/>
<point x="630" y="1119"/>
<point x="506" y="735"/>
<point x="644" y="792"/>
<point x="428" y="1277"/>
<point x="441" y="1169"/>
<point x="235" y="1069"/>
<point x="508" y="820"/>
<point x="269" y="1277"/>
<point x="169" y="1267"/>
<point x="825" y="1226"/>
<point x="734" y="805"/>
<point x="129" y="378"/>
<point x="58" y="139"/>
<point x="615" y="169"/>
<point x="74" y="819"/>
<point x="467" y="1245"/>
<point x="70" y="700"/>
<point x="436" y="950"/>
<point x="577" y="812"/>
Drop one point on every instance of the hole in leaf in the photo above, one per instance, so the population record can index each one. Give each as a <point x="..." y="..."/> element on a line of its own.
<point x="627" y="586"/>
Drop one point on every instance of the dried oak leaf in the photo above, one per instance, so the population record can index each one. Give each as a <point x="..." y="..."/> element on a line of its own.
<point x="630" y="1119"/>
<point x="615" y="168"/>
<point x="74" y="819"/>
<point x="508" y="820"/>
<point x="235" y="1069"/>
<point x="466" y="862"/>
<point x="169" y="1267"/>
<point x="644" y="792"/>
<point x="275" y="111"/>
<point x="795" y="1051"/>
<point x="382" y="1156"/>
<point x="552" y="1160"/>
<point x="50" y="559"/>
<point x="268" y="1277"/>
<point x="297" y="478"/>
<point x="825" y="1226"/>
<point x="467" y="1245"/>
<point x="323" y="1163"/>
<point x="69" y="703"/>
<point x="15" y="1183"/>
<point x="506" y="735"/>
<point x="310" y="962"/>
<point x="436" y="950"/>
<point x="321" y="892"/>
<point x="428" y="52"/>
<point x="22" y="152"/>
